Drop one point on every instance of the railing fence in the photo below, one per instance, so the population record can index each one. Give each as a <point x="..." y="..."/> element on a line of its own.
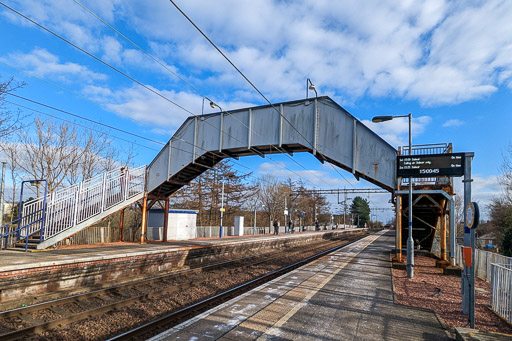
<point x="70" y="206"/>
<point x="501" y="290"/>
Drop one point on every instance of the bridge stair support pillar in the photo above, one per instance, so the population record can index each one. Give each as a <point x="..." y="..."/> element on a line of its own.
<point x="144" y="219"/>
<point x="398" y="231"/>
<point x="166" y="219"/>
<point x="443" y="262"/>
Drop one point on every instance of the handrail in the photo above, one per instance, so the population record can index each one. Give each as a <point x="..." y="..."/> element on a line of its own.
<point x="70" y="206"/>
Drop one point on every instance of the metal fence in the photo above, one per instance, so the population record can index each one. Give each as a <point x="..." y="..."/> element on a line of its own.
<point x="493" y="268"/>
<point x="70" y="206"/>
<point x="482" y="262"/>
<point x="501" y="290"/>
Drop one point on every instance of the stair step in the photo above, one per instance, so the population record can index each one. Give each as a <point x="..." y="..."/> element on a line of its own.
<point x="21" y="245"/>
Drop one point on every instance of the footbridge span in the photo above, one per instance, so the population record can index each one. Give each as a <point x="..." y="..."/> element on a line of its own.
<point x="318" y="126"/>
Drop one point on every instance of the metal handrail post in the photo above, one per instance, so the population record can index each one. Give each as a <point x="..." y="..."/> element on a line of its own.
<point x="43" y="217"/>
<point x="77" y="204"/>
<point x="20" y="211"/>
<point x="126" y="182"/>
<point x="104" y="192"/>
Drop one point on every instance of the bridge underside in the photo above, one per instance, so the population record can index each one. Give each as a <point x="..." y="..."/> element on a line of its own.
<point x="318" y="126"/>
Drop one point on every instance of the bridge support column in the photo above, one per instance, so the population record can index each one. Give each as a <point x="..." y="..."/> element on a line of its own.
<point x="443" y="235"/>
<point x="144" y="218"/>
<point x="166" y="219"/>
<point x="121" y="223"/>
<point x="453" y="233"/>
<point x="398" y="229"/>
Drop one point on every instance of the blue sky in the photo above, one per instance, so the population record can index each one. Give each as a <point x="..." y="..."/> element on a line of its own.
<point x="449" y="63"/>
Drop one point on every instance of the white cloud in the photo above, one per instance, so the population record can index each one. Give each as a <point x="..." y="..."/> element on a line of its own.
<point x="483" y="189"/>
<point x="146" y="107"/>
<point x="396" y="131"/>
<point x="453" y="123"/>
<point x="43" y="63"/>
<point x="436" y="52"/>
<point x="311" y="177"/>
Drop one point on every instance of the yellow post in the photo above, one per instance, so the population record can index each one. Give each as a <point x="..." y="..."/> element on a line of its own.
<point x="144" y="218"/>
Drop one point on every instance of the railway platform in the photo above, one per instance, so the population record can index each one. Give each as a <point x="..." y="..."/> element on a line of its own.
<point x="25" y="277"/>
<point x="346" y="295"/>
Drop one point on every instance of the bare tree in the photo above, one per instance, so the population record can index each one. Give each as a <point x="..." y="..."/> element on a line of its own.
<point x="10" y="120"/>
<point x="269" y="194"/>
<point x="204" y="194"/>
<point x="459" y="215"/>
<point x="10" y="152"/>
<point x="506" y="174"/>
<point x="51" y="151"/>
<point x="62" y="153"/>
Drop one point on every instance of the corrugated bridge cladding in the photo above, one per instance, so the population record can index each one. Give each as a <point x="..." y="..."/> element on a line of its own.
<point x="80" y="275"/>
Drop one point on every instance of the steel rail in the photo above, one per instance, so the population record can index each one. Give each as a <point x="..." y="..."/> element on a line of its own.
<point x="52" y="305"/>
<point x="215" y="300"/>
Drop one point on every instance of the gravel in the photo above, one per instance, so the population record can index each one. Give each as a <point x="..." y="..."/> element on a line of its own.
<point x="205" y="284"/>
<point x="431" y="289"/>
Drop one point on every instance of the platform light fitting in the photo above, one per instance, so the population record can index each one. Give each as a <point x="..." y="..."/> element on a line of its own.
<point x="310" y="86"/>
<point x="378" y="119"/>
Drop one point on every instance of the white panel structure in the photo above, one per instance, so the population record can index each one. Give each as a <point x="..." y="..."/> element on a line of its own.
<point x="239" y="226"/>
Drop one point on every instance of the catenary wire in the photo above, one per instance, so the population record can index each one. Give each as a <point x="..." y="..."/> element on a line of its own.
<point x="127" y="76"/>
<point x="105" y="125"/>
<point x="78" y="95"/>
<point x="244" y="76"/>
<point x="74" y="123"/>
<point x="85" y="118"/>
<point x="96" y="58"/>
<point x="176" y="75"/>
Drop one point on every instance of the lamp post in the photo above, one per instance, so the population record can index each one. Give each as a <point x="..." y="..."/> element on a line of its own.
<point x="2" y="194"/>
<point x="222" y="204"/>
<point x="221" y="208"/>
<point x="410" y="241"/>
<point x="310" y="86"/>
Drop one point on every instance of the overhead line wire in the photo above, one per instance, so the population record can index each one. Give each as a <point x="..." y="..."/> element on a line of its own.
<point x="63" y="119"/>
<point x="96" y="58"/>
<point x="75" y="93"/>
<point x="240" y="72"/>
<point x="117" y="70"/>
<point x="176" y="75"/>
<point x="140" y="48"/>
<point x="237" y="69"/>
<point x="85" y="118"/>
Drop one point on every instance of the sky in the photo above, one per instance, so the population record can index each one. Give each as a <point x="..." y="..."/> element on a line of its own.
<point x="449" y="63"/>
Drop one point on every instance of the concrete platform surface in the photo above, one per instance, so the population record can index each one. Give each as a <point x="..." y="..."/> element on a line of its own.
<point x="19" y="260"/>
<point x="346" y="295"/>
<point x="467" y="334"/>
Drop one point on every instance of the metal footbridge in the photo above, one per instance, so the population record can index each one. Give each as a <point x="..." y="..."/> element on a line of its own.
<point x="318" y="126"/>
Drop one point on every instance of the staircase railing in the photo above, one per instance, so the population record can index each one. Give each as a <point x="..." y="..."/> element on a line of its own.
<point x="68" y="207"/>
<point x="28" y="223"/>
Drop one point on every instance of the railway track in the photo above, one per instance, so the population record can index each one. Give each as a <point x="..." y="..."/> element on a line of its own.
<point x="45" y="319"/>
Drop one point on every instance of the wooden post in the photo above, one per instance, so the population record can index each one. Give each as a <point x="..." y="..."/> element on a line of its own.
<point x="144" y="218"/>
<point x="121" y="222"/>
<point x="166" y="218"/>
